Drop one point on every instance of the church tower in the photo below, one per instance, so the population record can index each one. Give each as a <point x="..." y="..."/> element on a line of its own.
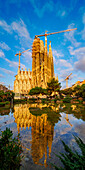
<point x="42" y="63"/>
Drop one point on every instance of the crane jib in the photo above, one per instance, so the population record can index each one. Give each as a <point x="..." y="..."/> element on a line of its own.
<point x="55" y="32"/>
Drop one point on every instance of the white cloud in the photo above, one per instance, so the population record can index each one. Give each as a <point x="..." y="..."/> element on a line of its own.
<point x="2" y="54"/>
<point x="5" y="26"/>
<point x="61" y="13"/>
<point x="65" y="72"/>
<point x="4" y="46"/>
<point x="11" y="63"/>
<point x="20" y="30"/>
<point x="54" y="60"/>
<point x="7" y="71"/>
<point x="14" y="64"/>
<point x="64" y="63"/>
<point x="80" y="54"/>
<point x="84" y="18"/>
<point x="1" y="75"/>
<point x="70" y="36"/>
<point x="48" y="6"/>
<point x="80" y="64"/>
<point x="27" y="56"/>
<point x="83" y="31"/>
<point x="2" y="83"/>
<point x="57" y="54"/>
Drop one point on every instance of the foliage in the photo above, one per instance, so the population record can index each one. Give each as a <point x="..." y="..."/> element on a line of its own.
<point x="10" y="151"/>
<point x="32" y="100"/>
<point x="6" y="96"/>
<point x="82" y="91"/>
<point x="67" y="99"/>
<point x="72" y="160"/>
<point x="67" y="91"/>
<point x="4" y="103"/>
<point x="20" y="100"/>
<point x="53" y="86"/>
<point x="44" y="100"/>
<point x="52" y="116"/>
<point x="37" y="90"/>
<point x="78" y="91"/>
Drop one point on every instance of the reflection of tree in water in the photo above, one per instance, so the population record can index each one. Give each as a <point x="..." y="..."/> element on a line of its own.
<point x="78" y="110"/>
<point x="4" y="111"/>
<point x="42" y="127"/>
<point x="52" y="112"/>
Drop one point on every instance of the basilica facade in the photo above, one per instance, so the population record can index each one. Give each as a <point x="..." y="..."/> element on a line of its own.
<point x="42" y="69"/>
<point x="42" y="63"/>
<point x="22" y="83"/>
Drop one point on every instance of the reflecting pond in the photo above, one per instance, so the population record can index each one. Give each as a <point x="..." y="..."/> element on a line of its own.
<point x="42" y="127"/>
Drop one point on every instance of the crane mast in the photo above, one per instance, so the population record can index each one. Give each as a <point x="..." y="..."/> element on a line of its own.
<point x="67" y="80"/>
<point x="20" y="55"/>
<point x="68" y="120"/>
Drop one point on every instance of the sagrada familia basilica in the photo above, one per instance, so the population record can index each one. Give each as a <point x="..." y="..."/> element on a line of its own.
<point x="42" y="69"/>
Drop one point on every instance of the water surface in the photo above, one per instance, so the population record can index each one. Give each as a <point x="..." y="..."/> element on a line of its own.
<point x="42" y="127"/>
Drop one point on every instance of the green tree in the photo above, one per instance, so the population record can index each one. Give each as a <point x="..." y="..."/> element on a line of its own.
<point x="53" y="86"/>
<point x="10" y="151"/>
<point x="82" y="91"/>
<point x="67" y="91"/>
<point x="79" y="91"/>
<point x="6" y="96"/>
<point x="37" y="90"/>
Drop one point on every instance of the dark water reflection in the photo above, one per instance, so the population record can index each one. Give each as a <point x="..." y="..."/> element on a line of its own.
<point x="43" y="126"/>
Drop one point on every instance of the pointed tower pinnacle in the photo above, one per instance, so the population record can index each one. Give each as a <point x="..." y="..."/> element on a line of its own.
<point x="50" y="50"/>
<point x="57" y="77"/>
<point x="19" y="60"/>
<point x="45" y="44"/>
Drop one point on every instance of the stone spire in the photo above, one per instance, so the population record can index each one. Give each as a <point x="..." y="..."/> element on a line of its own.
<point x="19" y="60"/>
<point x="50" y="50"/>
<point x="46" y="45"/>
<point x="57" y="77"/>
<point x="51" y="59"/>
<point x="45" y="61"/>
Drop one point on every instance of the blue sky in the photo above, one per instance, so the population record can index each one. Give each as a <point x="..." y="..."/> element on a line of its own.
<point x="21" y="20"/>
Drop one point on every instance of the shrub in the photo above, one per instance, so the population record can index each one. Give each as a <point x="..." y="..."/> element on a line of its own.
<point x="44" y="100"/>
<point x="0" y="99"/>
<point x="2" y="104"/>
<point x="67" y="99"/>
<point x="7" y="102"/>
<point x="10" y="151"/>
<point x="72" y="160"/>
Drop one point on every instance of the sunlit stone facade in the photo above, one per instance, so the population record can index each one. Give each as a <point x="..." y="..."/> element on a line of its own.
<point x="80" y="83"/>
<point x="42" y="63"/>
<point x="22" y="83"/>
<point x="42" y="69"/>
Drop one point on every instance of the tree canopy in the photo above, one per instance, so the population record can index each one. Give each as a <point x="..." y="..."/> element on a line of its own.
<point x="37" y="90"/>
<point x="53" y="86"/>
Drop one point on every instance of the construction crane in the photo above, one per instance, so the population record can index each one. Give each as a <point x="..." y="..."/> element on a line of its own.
<point x="67" y="80"/>
<point x="21" y="54"/>
<point x="54" y="32"/>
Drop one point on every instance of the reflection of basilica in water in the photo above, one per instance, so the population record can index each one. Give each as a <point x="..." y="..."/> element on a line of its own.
<point x="41" y="131"/>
